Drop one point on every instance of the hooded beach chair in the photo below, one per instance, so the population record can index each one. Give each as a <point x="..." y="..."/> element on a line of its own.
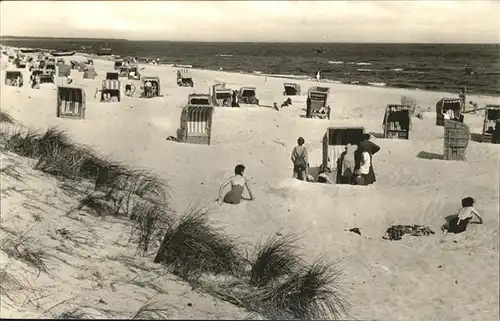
<point x="221" y="96"/>
<point x="71" y="102"/>
<point x="63" y="70"/>
<point x="11" y="78"/>
<point x="334" y="142"/>
<point x="112" y="87"/>
<point x="291" y="89"/>
<point x="196" y="124"/>
<point x="446" y="104"/>
<point x="491" y="123"/>
<point x="89" y="73"/>
<point x="317" y="98"/>
<point x="133" y="72"/>
<point x="456" y="140"/>
<point x="397" y="121"/>
<point x="184" y="78"/>
<point x="124" y="71"/>
<point x="248" y="95"/>
<point x="155" y="82"/>
<point x="118" y="64"/>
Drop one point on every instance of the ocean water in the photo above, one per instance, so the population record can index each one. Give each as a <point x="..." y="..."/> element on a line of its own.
<point x="440" y="67"/>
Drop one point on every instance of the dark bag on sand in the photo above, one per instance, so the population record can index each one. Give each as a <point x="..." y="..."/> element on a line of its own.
<point x="300" y="163"/>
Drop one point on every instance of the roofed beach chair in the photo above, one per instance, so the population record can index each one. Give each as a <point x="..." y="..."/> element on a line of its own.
<point x="71" y="102"/>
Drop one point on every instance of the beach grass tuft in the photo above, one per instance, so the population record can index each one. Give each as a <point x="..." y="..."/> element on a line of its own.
<point x="192" y="246"/>
<point x="274" y="259"/>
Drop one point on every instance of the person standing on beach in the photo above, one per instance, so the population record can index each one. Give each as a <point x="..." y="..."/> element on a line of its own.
<point x="300" y="160"/>
<point x="372" y="149"/>
<point x="318" y="76"/>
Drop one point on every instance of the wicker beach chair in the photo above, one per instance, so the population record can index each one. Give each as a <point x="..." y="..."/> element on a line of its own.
<point x="71" y="102"/>
<point x="317" y="98"/>
<point x="397" y="121"/>
<point x="291" y="89"/>
<point x="11" y="77"/>
<point x="446" y="104"/>
<point x="456" y="140"/>
<point x="155" y="81"/>
<point x="491" y="124"/>
<point x="196" y="124"/>
<point x="248" y="96"/>
<point x="118" y="64"/>
<point x="334" y="143"/>
<point x="184" y="78"/>
<point x="221" y="96"/>
<point x="113" y="88"/>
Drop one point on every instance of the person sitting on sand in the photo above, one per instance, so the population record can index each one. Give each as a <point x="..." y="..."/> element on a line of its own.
<point x="323" y="175"/>
<point x="287" y="103"/>
<point x="238" y="183"/>
<point x="129" y="89"/>
<point x="459" y="223"/>
<point x="225" y="103"/>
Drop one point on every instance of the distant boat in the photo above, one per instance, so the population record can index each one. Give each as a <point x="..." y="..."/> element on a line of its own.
<point x="28" y="50"/>
<point x="57" y="53"/>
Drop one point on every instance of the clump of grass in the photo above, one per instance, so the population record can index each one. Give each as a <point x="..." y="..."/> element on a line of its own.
<point x="65" y="162"/>
<point x="274" y="259"/>
<point x="24" y="144"/>
<point x="9" y="284"/>
<point x="6" y="118"/>
<point x="74" y="314"/>
<point x="22" y="248"/>
<point x="150" y="220"/>
<point x="312" y="294"/>
<point x="152" y="310"/>
<point x="193" y="246"/>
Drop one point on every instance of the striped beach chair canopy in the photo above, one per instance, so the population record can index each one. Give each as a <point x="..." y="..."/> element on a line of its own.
<point x="111" y="84"/>
<point x="199" y="119"/>
<point x="199" y="99"/>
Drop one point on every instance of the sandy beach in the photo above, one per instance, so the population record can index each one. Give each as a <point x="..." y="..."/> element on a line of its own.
<point x="436" y="277"/>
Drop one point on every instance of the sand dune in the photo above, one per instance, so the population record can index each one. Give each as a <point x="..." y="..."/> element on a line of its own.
<point x="417" y="278"/>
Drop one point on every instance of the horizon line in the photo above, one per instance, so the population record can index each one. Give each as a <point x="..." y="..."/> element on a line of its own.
<point x="222" y="41"/>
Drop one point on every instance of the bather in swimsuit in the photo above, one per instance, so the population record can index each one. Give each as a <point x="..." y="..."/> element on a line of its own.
<point x="234" y="195"/>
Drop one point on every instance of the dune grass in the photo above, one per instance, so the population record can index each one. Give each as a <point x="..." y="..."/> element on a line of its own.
<point x="6" y="118"/>
<point x="274" y="259"/>
<point x="23" y="248"/>
<point x="192" y="247"/>
<point x="279" y="285"/>
<point x="312" y="293"/>
<point x="9" y="284"/>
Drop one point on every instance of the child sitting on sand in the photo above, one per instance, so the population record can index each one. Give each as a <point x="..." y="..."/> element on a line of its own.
<point x="238" y="183"/>
<point x="459" y="222"/>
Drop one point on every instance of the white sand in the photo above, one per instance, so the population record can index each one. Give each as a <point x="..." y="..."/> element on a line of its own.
<point x="383" y="279"/>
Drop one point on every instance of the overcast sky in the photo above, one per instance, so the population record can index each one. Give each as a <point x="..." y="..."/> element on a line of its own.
<point x="291" y="21"/>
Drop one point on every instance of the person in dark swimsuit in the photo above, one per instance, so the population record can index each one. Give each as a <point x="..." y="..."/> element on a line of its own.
<point x="238" y="183"/>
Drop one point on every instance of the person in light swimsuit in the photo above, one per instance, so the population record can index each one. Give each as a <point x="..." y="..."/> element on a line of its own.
<point x="238" y="183"/>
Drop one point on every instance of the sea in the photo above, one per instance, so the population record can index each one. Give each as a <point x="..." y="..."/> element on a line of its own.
<point x="435" y="67"/>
